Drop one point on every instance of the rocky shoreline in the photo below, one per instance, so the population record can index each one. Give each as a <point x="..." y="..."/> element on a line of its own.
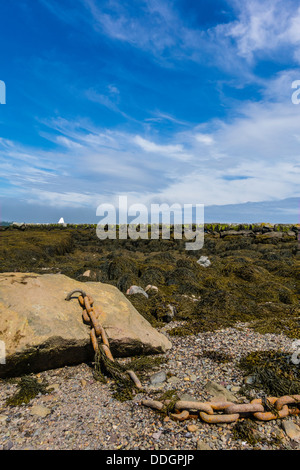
<point x="246" y="274"/>
<point x="276" y="231"/>
<point x="81" y="413"/>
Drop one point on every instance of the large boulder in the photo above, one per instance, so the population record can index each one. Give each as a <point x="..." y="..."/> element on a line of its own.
<point x="40" y="330"/>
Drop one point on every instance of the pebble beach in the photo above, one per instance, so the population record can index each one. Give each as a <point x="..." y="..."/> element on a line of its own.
<point x="80" y="413"/>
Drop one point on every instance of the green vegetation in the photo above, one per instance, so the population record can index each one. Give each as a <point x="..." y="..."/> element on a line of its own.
<point x="217" y="356"/>
<point x="28" y="388"/>
<point x="273" y="372"/>
<point x="123" y="387"/>
<point x="252" y="278"/>
<point x="246" y="431"/>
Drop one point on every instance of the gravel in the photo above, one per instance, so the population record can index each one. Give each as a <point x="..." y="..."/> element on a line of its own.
<point x="81" y="413"/>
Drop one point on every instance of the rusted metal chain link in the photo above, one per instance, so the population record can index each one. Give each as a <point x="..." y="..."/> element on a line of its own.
<point x="288" y="405"/>
<point x="90" y="315"/>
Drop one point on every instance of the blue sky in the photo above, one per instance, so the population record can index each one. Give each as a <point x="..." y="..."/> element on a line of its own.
<point x="175" y="101"/>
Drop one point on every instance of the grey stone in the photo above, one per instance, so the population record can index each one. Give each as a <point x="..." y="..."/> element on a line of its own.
<point x="218" y="391"/>
<point x="136" y="290"/>
<point x="158" y="378"/>
<point x="8" y="445"/>
<point x="204" y="261"/>
<point x="272" y="235"/>
<point x="250" y="379"/>
<point x="238" y="233"/>
<point x="173" y="380"/>
<point x="187" y="397"/>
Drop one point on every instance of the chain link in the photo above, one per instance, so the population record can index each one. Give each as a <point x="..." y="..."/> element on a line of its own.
<point x="282" y="407"/>
<point x="90" y="315"/>
<point x="261" y="409"/>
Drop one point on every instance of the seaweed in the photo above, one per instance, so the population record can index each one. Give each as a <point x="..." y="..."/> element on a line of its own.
<point x="28" y="388"/>
<point x="273" y="372"/>
<point x="122" y="386"/>
<point x="172" y="397"/>
<point x="144" y="364"/>
<point x="217" y="356"/>
<point x="250" y="279"/>
<point x="182" y="331"/>
<point x="247" y="430"/>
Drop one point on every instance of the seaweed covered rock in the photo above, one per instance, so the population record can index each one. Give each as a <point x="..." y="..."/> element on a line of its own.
<point x="41" y="330"/>
<point x="252" y="278"/>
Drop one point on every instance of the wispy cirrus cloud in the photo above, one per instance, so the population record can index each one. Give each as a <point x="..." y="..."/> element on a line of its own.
<point x="176" y="152"/>
<point x="259" y="30"/>
<point x="253" y="157"/>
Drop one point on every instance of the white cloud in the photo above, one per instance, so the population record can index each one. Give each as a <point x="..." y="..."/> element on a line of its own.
<point x="62" y="199"/>
<point x="67" y="142"/>
<point x="203" y="164"/>
<point x="176" y="151"/>
<point x="204" y="139"/>
<point x="265" y="27"/>
<point x="260" y="29"/>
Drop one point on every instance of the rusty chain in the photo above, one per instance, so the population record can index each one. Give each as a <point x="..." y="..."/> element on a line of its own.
<point x="90" y="315"/>
<point x="261" y="409"/>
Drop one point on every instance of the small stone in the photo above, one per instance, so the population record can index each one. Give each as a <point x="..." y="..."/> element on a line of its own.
<point x="156" y="387"/>
<point x="249" y="380"/>
<point x="39" y="410"/>
<point x="49" y="397"/>
<point x="166" y="419"/>
<point x="187" y="397"/>
<point x="158" y="378"/>
<point x="8" y="445"/>
<point x="186" y="379"/>
<point x="156" y="435"/>
<point x="192" y="428"/>
<point x="83" y="383"/>
<point x="204" y="261"/>
<point x="180" y="417"/>
<point x="292" y="430"/>
<point x="173" y="380"/>
<point x="150" y="287"/>
<point x="136" y="290"/>
<point x="219" y="392"/>
<point x="202" y="445"/>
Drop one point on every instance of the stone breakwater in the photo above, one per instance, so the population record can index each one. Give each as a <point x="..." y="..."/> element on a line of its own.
<point x="261" y="231"/>
<point x="214" y="227"/>
<point x="265" y="231"/>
